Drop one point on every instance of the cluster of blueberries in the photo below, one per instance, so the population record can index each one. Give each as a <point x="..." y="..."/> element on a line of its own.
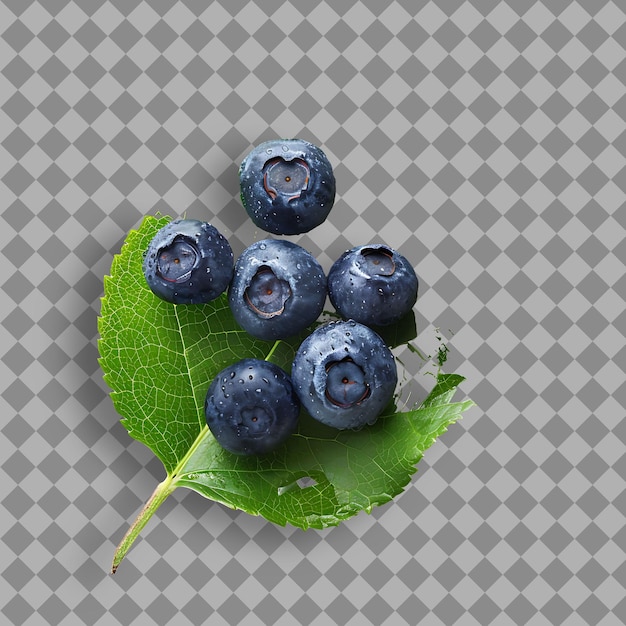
<point x="343" y="373"/>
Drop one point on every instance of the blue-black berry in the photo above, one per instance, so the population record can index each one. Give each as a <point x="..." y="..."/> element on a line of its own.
<point x="277" y="290"/>
<point x="374" y="285"/>
<point x="251" y="407"/>
<point x="188" y="262"/>
<point x="344" y="374"/>
<point x="287" y="186"/>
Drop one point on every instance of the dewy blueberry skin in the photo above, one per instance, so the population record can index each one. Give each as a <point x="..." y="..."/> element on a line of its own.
<point x="188" y="262"/>
<point x="251" y="407"/>
<point x="344" y="375"/>
<point x="287" y="186"/>
<point x="373" y="284"/>
<point x="278" y="289"/>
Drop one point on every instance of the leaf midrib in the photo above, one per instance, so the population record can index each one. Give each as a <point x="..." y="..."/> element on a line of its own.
<point x="203" y="428"/>
<point x="187" y="365"/>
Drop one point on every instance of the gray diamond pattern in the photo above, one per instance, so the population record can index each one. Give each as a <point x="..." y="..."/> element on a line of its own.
<point x="485" y="140"/>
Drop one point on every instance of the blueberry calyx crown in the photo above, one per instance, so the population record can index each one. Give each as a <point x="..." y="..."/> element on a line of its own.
<point x="377" y="261"/>
<point x="267" y="294"/>
<point x="345" y="383"/>
<point x="286" y="177"/>
<point x="176" y="261"/>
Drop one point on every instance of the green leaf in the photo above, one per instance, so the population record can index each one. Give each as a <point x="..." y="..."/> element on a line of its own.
<point x="159" y="360"/>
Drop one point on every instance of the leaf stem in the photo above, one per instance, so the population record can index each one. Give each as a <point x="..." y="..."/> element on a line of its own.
<point x="162" y="491"/>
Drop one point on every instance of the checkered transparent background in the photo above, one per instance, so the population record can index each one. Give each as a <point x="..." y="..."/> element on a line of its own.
<point x="485" y="140"/>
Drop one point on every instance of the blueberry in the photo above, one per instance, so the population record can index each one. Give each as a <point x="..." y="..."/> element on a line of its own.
<point x="373" y="284"/>
<point x="344" y="374"/>
<point x="287" y="186"/>
<point x="251" y="407"/>
<point x="277" y="290"/>
<point x="188" y="262"/>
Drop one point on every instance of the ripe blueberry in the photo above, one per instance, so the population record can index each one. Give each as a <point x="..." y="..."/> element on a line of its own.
<point x="287" y="186"/>
<point x="374" y="285"/>
<point x="277" y="290"/>
<point x="344" y="374"/>
<point x="251" y="407"/>
<point x="188" y="262"/>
